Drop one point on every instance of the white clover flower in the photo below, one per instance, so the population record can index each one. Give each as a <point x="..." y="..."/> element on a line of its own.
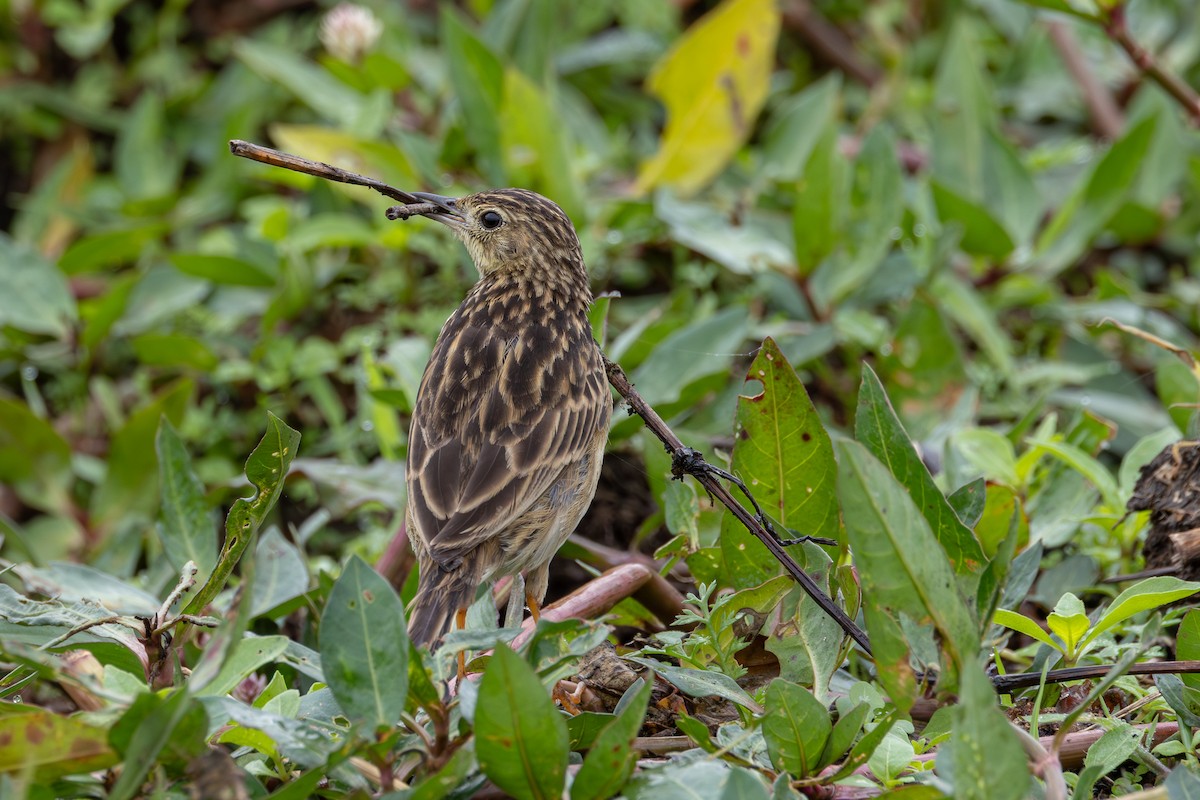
<point x="349" y="31"/>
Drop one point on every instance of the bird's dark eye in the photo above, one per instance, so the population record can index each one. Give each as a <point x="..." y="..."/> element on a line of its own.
<point x="490" y="220"/>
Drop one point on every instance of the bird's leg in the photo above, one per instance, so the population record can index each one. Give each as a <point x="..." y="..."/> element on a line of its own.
<point x="514" y="611"/>
<point x="461" y="619"/>
<point x="535" y="610"/>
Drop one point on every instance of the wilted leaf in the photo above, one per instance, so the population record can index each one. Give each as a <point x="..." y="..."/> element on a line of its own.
<point x="51" y="745"/>
<point x="713" y="83"/>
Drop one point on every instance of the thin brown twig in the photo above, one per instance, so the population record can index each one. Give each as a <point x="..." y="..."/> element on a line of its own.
<point x="1117" y="29"/>
<point x="1008" y="683"/>
<point x="828" y="41"/>
<point x="318" y="169"/>
<point x="1106" y="116"/>
<point x="693" y="463"/>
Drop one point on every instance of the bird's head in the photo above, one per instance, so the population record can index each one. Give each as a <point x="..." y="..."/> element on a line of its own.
<point x="508" y="231"/>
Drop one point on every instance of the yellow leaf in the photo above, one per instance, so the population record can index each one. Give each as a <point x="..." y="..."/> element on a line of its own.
<point x="713" y="83"/>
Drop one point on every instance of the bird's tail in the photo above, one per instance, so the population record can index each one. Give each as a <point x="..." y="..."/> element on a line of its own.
<point x="438" y="599"/>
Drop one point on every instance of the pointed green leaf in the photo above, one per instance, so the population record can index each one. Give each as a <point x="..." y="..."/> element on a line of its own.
<point x="266" y="469"/>
<point x="1023" y="624"/>
<point x="364" y="646"/>
<point x="784" y="455"/>
<point x="986" y="760"/>
<point x="187" y="524"/>
<point x="1142" y="596"/>
<point x="904" y="572"/>
<point x="877" y="426"/>
<point x="611" y="758"/>
<point x="520" y="738"/>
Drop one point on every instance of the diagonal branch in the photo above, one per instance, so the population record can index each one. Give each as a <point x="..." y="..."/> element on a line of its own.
<point x="1106" y="116"/>
<point x="1117" y="30"/>
<point x="687" y="460"/>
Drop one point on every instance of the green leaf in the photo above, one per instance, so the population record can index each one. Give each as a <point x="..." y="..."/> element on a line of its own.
<point x="281" y="573"/>
<point x="110" y="248"/>
<point x="186" y="527"/>
<point x="312" y="85"/>
<point x="970" y="500"/>
<point x="876" y="209"/>
<point x="364" y="646"/>
<point x="964" y="112"/>
<point x="1084" y="464"/>
<point x="611" y="758"/>
<point x="713" y="83"/>
<point x="675" y="362"/>
<point x="848" y="726"/>
<point x="1187" y="644"/>
<point x="130" y="483"/>
<point x="1069" y="622"/>
<point x="700" y="682"/>
<point x="797" y="727"/>
<point x="807" y="642"/>
<point x="266" y="469"/>
<point x="877" y="426"/>
<point x="141" y="159"/>
<point x="477" y="77"/>
<point x="536" y="152"/>
<point x="904" y="572"/>
<point x="784" y="455"/>
<point x="34" y="459"/>
<point x="520" y="738"/>
<point x="1142" y="596"/>
<point x="792" y="135"/>
<point x="982" y="234"/>
<point x="36" y="298"/>
<point x="1111" y="750"/>
<point x="175" y="723"/>
<point x="818" y="206"/>
<point x="993" y="580"/>
<point x="985" y="759"/>
<point x="865" y="747"/>
<point x="988" y="452"/>
<point x="698" y="777"/>
<point x="1023" y="624"/>
<point x="174" y="350"/>
<point x="1095" y="201"/>
<point x="222" y="269"/>
<point x="245" y="657"/>
<point x="1183" y="699"/>
<point x="962" y="303"/>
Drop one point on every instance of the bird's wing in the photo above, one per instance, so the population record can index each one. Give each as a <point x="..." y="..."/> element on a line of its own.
<point x="496" y="421"/>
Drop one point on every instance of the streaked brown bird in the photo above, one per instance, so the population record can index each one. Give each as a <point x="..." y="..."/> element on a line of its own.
<point x="512" y="414"/>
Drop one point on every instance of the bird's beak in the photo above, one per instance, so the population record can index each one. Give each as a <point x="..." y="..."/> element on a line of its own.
<point x="446" y="210"/>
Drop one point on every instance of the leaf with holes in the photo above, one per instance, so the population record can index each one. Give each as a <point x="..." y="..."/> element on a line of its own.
<point x="266" y="468"/>
<point x="785" y="457"/>
<point x="364" y="646"/>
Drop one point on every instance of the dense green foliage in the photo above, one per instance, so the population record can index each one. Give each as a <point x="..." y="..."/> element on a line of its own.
<point x="892" y="263"/>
